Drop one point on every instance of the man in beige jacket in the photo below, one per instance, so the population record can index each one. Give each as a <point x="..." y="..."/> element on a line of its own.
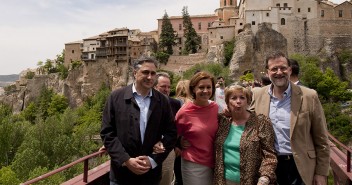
<point x="299" y="123"/>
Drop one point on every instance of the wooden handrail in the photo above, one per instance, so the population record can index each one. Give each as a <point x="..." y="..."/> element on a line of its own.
<point x="85" y="170"/>
<point x="348" y="150"/>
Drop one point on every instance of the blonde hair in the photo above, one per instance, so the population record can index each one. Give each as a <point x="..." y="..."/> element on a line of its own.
<point x="182" y="88"/>
<point x="229" y="90"/>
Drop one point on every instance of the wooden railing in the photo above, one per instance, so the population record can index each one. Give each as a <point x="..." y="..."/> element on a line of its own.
<point x="84" y="159"/>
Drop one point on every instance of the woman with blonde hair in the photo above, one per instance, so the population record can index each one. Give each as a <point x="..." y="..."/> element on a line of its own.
<point x="182" y="92"/>
<point x="244" y="145"/>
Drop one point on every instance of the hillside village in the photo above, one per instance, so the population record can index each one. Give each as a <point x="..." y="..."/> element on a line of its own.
<point x="316" y="27"/>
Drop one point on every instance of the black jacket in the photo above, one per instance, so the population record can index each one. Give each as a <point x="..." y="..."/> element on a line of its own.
<point x="121" y="135"/>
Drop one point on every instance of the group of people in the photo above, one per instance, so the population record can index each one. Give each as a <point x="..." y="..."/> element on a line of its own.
<point x="274" y="135"/>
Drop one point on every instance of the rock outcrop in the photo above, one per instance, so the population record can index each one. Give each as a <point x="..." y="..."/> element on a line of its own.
<point x="250" y="50"/>
<point x="81" y="83"/>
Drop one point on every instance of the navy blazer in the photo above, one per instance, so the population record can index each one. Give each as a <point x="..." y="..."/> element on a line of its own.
<point x="121" y="135"/>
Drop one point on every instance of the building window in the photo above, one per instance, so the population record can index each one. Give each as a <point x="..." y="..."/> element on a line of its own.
<point x="209" y="24"/>
<point x="224" y="2"/>
<point x="253" y="22"/>
<point x="278" y="4"/>
<point x="180" y="27"/>
<point x="199" y="26"/>
<point x="73" y="51"/>
<point x="267" y="14"/>
<point x="221" y="37"/>
<point x="308" y="9"/>
<point x="231" y="2"/>
<point x="340" y="13"/>
<point x="298" y="10"/>
<point x="241" y="24"/>
<point x="283" y="22"/>
<point x="285" y="4"/>
<point x="322" y="13"/>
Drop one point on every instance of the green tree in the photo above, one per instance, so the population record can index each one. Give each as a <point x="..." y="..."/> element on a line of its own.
<point x="167" y="35"/>
<point x="48" y="66"/>
<point x="29" y="75"/>
<point x="30" y="112"/>
<point x="58" y="104"/>
<point x="193" y="40"/>
<point x="331" y="88"/>
<point x="162" y="57"/>
<point x="12" y="134"/>
<point x="8" y="177"/>
<point x="228" y="51"/>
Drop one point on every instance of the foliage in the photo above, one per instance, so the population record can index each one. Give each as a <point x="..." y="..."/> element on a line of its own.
<point x="10" y="88"/>
<point x="345" y="57"/>
<point x="75" y="64"/>
<point x="193" y="40"/>
<point x="339" y="123"/>
<point x="214" y="69"/>
<point x="30" y="75"/>
<point x="167" y="36"/>
<point x="5" y="111"/>
<point x="58" y="104"/>
<point x="52" y="180"/>
<point x="30" y="112"/>
<point x="11" y="136"/>
<point x="228" y="51"/>
<point x="247" y="77"/>
<point x="332" y="89"/>
<point x="8" y="177"/>
<point x="162" y="57"/>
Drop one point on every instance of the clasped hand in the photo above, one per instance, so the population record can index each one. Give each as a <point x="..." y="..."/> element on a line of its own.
<point x="139" y="165"/>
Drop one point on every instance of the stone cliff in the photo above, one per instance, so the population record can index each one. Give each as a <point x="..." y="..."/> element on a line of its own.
<point x="80" y="83"/>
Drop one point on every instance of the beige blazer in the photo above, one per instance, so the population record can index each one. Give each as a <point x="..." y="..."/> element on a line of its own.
<point x="309" y="141"/>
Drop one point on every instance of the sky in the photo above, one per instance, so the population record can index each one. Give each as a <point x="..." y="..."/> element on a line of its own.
<point x="36" y="30"/>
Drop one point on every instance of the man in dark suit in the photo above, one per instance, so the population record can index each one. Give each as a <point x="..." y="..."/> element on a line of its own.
<point x="163" y="84"/>
<point x="134" y="119"/>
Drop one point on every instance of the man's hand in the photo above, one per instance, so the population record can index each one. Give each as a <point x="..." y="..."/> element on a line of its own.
<point x="319" y="180"/>
<point x="137" y="166"/>
<point x="158" y="148"/>
<point x="145" y="161"/>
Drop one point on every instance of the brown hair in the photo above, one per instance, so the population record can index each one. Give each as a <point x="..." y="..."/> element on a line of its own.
<point x="229" y="90"/>
<point x="198" y="77"/>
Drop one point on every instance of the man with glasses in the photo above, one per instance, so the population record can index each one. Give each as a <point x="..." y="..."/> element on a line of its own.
<point x="134" y="119"/>
<point x="299" y="123"/>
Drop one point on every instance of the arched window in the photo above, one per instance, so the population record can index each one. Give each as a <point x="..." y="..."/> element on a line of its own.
<point x="224" y="2"/>
<point x="283" y="22"/>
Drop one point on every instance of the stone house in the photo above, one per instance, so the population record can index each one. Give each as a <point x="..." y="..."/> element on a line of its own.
<point x="73" y="52"/>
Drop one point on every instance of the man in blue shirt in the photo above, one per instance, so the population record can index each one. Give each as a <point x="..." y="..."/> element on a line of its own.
<point x="299" y="123"/>
<point x="134" y="119"/>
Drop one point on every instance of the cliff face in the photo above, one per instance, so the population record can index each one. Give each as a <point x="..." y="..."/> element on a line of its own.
<point x="250" y="50"/>
<point x="80" y="83"/>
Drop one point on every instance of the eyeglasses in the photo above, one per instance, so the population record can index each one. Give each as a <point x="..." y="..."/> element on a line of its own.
<point x="276" y="69"/>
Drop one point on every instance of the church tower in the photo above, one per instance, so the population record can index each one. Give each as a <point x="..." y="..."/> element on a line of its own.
<point x="226" y="11"/>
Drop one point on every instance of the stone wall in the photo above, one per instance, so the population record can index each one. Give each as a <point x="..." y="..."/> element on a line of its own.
<point x="179" y="64"/>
